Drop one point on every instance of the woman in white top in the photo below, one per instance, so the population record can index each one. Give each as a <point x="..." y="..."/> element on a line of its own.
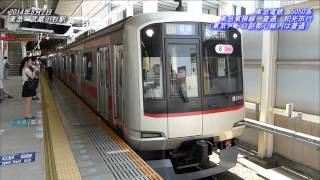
<point x="27" y="74"/>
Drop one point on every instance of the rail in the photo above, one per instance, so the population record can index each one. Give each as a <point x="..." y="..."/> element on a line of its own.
<point x="313" y="140"/>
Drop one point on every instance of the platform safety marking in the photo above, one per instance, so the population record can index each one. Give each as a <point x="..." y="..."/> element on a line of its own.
<point x="2" y="131"/>
<point x="39" y="131"/>
<point x="25" y="122"/>
<point x="118" y="151"/>
<point x="17" y="158"/>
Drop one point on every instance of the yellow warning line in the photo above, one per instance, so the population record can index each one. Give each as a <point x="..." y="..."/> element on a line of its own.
<point x="60" y="162"/>
<point x="144" y="167"/>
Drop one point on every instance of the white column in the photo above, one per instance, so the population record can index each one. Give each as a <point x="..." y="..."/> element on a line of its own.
<point x="1" y="59"/>
<point x="150" y="6"/>
<point x="129" y="9"/>
<point x="226" y="8"/>
<point x="1" y="51"/>
<point x="194" y="7"/>
<point x="268" y="86"/>
<point x="24" y="49"/>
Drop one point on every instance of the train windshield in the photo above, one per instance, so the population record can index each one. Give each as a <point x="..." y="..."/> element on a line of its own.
<point x="152" y="74"/>
<point x="183" y="70"/>
<point x="221" y="62"/>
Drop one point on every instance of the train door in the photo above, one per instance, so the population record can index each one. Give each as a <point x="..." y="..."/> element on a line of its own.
<point x="183" y="87"/>
<point x="118" y="60"/>
<point x="102" y="80"/>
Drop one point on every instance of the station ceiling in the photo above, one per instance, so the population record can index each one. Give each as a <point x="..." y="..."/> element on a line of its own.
<point x="24" y="4"/>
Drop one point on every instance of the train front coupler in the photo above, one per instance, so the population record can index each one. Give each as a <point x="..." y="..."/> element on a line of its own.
<point x="227" y="159"/>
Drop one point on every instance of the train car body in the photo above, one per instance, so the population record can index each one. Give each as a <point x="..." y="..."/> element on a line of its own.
<point x="165" y="81"/>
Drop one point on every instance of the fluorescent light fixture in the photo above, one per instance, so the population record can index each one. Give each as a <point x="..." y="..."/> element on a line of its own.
<point x="36" y="30"/>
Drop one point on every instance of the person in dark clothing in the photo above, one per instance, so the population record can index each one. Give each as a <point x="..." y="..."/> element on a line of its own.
<point x="49" y="69"/>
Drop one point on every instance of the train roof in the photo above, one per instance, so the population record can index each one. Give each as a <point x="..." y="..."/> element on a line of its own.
<point x="139" y="21"/>
<point x="142" y="20"/>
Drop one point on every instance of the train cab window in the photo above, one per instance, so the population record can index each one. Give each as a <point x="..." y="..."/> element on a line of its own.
<point x="183" y="70"/>
<point x="222" y="72"/>
<point x="222" y="75"/>
<point x="87" y="66"/>
<point x="152" y="70"/>
<point x="73" y="63"/>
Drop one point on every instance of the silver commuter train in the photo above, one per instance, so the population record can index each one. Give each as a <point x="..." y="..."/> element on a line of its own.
<point x="167" y="83"/>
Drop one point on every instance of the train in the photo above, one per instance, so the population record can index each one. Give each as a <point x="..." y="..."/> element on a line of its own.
<point x="168" y="84"/>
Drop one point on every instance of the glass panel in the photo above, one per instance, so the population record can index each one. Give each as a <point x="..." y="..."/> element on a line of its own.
<point x="221" y="72"/>
<point x="73" y="61"/>
<point x="152" y="71"/>
<point x="88" y="65"/>
<point x="222" y="75"/>
<point x="153" y="82"/>
<point x="84" y="64"/>
<point x="107" y="66"/>
<point x="183" y="70"/>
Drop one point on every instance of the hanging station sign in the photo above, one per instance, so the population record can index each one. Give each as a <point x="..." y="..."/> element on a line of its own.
<point x="16" y="37"/>
<point x="35" y="15"/>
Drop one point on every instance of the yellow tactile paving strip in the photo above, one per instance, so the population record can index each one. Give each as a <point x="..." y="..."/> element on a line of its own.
<point x="60" y="162"/>
<point x="144" y="167"/>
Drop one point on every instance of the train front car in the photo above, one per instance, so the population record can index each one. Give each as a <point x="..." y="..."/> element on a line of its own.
<point x="183" y="92"/>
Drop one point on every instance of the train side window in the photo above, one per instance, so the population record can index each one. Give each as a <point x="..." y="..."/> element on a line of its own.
<point x="72" y="62"/>
<point x="88" y="66"/>
<point x="152" y="70"/>
<point x="64" y="63"/>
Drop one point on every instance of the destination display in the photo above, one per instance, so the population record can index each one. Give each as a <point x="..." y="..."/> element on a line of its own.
<point x="180" y="29"/>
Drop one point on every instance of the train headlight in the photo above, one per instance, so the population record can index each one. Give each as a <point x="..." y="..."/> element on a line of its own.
<point x="235" y="36"/>
<point x="149" y="32"/>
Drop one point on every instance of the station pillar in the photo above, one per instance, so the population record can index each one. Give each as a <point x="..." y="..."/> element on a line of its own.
<point x="24" y="49"/>
<point x="1" y="51"/>
<point x="150" y="6"/>
<point x="268" y="85"/>
<point x="194" y="7"/>
<point x="129" y="10"/>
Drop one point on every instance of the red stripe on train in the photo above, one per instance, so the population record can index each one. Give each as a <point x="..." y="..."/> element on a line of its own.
<point x="193" y="113"/>
<point x="89" y="89"/>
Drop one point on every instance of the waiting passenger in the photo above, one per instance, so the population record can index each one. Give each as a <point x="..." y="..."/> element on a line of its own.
<point x="3" y="93"/>
<point x="29" y="85"/>
<point x="6" y="65"/>
<point x="36" y="77"/>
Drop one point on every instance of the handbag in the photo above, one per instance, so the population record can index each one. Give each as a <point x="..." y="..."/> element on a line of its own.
<point x="32" y="84"/>
<point x="7" y="65"/>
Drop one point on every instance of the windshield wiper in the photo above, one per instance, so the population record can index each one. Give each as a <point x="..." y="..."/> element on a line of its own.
<point x="182" y="91"/>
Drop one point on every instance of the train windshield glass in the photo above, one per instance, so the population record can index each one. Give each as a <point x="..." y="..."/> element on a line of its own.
<point x="222" y="63"/>
<point x="183" y="70"/>
<point x="152" y="72"/>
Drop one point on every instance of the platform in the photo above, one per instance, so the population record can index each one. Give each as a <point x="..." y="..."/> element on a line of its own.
<point x="21" y="141"/>
<point x="98" y="151"/>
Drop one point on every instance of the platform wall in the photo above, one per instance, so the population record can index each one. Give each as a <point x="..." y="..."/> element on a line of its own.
<point x="297" y="82"/>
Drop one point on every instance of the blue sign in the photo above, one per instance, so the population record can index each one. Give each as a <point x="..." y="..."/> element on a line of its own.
<point x="18" y="158"/>
<point x="269" y="19"/>
<point x="23" y="122"/>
